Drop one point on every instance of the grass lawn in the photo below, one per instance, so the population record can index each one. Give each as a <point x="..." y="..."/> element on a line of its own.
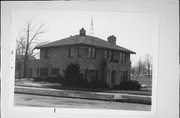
<point x="31" y="83"/>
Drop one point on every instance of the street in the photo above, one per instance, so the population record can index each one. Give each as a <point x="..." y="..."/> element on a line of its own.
<point x="60" y="102"/>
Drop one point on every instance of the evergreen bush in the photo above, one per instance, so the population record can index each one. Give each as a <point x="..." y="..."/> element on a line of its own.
<point x="129" y="85"/>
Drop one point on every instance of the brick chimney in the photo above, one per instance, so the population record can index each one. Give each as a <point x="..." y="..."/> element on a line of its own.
<point x="82" y="32"/>
<point x="112" y="39"/>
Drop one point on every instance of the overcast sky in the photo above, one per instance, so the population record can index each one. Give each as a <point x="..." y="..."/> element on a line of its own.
<point x="135" y="31"/>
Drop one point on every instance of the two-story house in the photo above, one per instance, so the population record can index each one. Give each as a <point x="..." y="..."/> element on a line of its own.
<point x="98" y="59"/>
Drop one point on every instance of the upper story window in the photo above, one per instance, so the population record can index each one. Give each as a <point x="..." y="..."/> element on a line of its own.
<point x="105" y="54"/>
<point x="92" y="52"/>
<point x="46" y="53"/>
<point x="70" y="52"/>
<point x="113" y="57"/>
<point x="79" y="52"/>
<point x="122" y="57"/>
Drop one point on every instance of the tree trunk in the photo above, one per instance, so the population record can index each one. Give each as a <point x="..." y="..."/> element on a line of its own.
<point x="24" y="67"/>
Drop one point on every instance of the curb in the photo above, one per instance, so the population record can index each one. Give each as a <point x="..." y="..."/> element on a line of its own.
<point x="62" y="93"/>
<point x="137" y="99"/>
<point x="84" y="95"/>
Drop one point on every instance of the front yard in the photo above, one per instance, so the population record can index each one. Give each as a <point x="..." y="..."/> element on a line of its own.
<point x="45" y="84"/>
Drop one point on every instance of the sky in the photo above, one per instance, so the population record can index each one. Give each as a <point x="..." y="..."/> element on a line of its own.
<point x="135" y="31"/>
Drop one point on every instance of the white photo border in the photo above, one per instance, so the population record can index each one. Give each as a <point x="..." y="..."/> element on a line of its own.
<point x="10" y="103"/>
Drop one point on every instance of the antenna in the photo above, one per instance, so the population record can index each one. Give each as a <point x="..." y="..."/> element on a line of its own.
<point x="91" y="27"/>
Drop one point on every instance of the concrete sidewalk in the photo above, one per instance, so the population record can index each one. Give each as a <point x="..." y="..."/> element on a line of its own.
<point x="142" y="99"/>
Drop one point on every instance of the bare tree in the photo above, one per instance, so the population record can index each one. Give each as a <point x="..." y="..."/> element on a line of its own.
<point x="139" y="68"/>
<point x="28" y="41"/>
<point x="148" y="61"/>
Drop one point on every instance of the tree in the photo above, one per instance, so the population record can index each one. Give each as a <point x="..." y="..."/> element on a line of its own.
<point x="28" y="41"/>
<point x="143" y="67"/>
<point x="73" y="76"/>
<point x="138" y="69"/>
<point x="148" y="61"/>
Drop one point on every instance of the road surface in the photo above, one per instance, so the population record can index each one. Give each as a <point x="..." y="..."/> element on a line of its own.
<point x="60" y="102"/>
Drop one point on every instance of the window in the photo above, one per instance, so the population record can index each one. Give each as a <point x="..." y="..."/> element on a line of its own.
<point x="109" y="54"/>
<point x="44" y="72"/>
<point x="54" y="71"/>
<point x="46" y="53"/>
<point x="37" y="71"/>
<point x="70" y="52"/>
<point x="91" y="74"/>
<point x="30" y="72"/>
<point x="78" y="52"/>
<point x="112" y="54"/>
<point x="105" y="54"/>
<point x="92" y="52"/>
<point x="124" y="76"/>
<point x="113" y="57"/>
<point x="122" y="57"/>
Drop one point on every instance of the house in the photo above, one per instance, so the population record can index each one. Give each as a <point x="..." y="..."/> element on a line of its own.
<point x="98" y="59"/>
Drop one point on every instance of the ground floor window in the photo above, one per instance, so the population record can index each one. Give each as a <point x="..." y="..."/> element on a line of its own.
<point x="37" y="72"/>
<point x="91" y="74"/>
<point x="44" y="72"/>
<point x="113" y="77"/>
<point x="124" y="76"/>
<point x="54" y="71"/>
<point x="30" y="72"/>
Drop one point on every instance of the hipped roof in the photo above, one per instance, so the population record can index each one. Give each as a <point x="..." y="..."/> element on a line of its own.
<point x="85" y="40"/>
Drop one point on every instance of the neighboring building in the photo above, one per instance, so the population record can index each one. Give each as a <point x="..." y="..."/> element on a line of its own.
<point x="19" y="65"/>
<point x="98" y="59"/>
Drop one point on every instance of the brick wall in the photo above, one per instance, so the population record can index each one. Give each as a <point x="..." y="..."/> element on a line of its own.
<point x="58" y="58"/>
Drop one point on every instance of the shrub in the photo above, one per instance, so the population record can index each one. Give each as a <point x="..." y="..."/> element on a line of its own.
<point x="73" y="76"/>
<point x="96" y="83"/>
<point x="129" y="85"/>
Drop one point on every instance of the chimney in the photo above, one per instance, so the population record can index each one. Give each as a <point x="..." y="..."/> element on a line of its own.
<point x="82" y="32"/>
<point x="112" y="39"/>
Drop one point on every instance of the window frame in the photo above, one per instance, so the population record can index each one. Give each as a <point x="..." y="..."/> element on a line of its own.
<point x="124" y="76"/>
<point x="92" y="52"/>
<point x="46" y="53"/>
<point x="44" y="71"/>
<point x="78" y="52"/>
<point x="70" y="52"/>
<point x="123" y="56"/>
<point x="54" y="71"/>
<point x="91" y="74"/>
<point x="105" y="54"/>
<point x="30" y="72"/>
<point x="113" y="57"/>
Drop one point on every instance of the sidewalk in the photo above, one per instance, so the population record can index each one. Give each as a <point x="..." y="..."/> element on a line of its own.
<point x="121" y="97"/>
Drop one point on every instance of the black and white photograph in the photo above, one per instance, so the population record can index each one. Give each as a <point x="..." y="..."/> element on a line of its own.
<point x="84" y="59"/>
